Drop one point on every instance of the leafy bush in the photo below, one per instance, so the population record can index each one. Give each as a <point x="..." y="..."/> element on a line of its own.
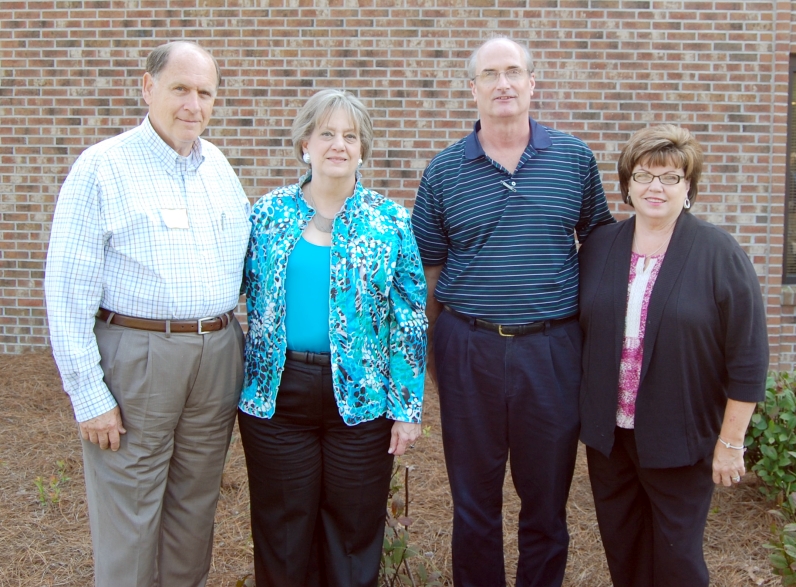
<point x="771" y="441"/>
<point x="783" y="556"/>
<point x="771" y="444"/>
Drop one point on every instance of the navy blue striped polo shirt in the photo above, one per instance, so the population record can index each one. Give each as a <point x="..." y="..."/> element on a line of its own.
<point x="507" y="239"/>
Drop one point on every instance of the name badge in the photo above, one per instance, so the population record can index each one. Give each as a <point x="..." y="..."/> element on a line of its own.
<point x="175" y="217"/>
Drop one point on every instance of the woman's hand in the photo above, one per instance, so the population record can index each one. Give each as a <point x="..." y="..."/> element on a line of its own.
<point x="728" y="467"/>
<point x="403" y="434"/>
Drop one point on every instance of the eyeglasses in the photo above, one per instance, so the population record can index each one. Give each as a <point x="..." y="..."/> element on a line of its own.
<point x="666" y="178"/>
<point x="491" y="76"/>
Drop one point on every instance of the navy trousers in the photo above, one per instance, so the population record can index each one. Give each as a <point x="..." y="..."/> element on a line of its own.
<point x="318" y="488"/>
<point x="652" y="521"/>
<point x="500" y="398"/>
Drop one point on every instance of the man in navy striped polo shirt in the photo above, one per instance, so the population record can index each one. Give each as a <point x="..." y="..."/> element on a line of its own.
<point x="495" y="219"/>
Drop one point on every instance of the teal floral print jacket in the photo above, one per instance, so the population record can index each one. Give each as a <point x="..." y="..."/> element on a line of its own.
<point x="377" y="320"/>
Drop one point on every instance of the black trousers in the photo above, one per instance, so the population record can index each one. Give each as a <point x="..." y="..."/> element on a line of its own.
<point x="318" y="487"/>
<point x="652" y="521"/>
<point x="508" y="398"/>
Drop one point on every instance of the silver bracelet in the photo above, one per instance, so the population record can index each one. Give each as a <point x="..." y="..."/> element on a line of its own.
<point x="728" y="445"/>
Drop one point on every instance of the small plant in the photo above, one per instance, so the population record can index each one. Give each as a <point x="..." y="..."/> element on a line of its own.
<point x="771" y="444"/>
<point x="771" y="441"/>
<point x="395" y="569"/>
<point x="783" y="555"/>
<point x="50" y="491"/>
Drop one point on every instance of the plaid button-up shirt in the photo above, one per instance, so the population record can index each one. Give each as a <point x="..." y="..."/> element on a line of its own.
<point x="115" y="244"/>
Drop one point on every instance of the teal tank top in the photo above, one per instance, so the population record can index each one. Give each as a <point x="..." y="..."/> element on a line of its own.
<point x="307" y="297"/>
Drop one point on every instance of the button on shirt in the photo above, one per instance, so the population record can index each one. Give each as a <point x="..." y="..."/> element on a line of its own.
<point x="144" y="232"/>
<point x="506" y="238"/>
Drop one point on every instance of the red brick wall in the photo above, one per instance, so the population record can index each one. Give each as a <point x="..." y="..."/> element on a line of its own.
<point x="71" y="73"/>
<point x="785" y="44"/>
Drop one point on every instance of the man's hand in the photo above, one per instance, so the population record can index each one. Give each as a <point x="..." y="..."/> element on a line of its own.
<point x="104" y="430"/>
<point x="404" y="435"/>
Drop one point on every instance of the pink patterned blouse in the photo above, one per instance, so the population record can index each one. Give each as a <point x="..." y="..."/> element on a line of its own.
<point x="639" y="289"/>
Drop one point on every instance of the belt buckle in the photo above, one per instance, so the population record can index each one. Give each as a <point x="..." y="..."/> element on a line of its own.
<point x="199" y="325"/>
<point x="500" y="331"/>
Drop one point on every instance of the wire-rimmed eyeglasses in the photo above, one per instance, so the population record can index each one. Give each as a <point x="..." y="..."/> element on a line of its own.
<point x="665" y="178"/>
<point x="491" y="76"/>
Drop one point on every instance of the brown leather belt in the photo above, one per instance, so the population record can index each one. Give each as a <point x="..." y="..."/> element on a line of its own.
<point x="510" y="330"/>
<point x="200" y="326"/>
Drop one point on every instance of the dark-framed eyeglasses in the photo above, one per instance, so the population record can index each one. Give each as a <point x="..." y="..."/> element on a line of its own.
<point x="491" y="76"/>
<point x="665" y="178"/>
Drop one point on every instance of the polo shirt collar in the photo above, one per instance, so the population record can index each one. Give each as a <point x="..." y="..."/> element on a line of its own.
<point x="172" y="161"/>
<point x="540" y="139"/>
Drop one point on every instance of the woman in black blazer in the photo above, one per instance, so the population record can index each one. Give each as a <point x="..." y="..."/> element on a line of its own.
<point x="675" y="357"/>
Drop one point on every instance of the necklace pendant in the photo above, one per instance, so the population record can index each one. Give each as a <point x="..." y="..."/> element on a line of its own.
<point x="323" y="224"/>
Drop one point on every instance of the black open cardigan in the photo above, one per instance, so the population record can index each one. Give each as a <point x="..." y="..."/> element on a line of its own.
<point x="705" y="340"/>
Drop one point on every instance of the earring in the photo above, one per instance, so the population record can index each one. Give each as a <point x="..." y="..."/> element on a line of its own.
<point x="359" y="164"/>
<point x="687" y="203"/>
<point x="306" y="158"/>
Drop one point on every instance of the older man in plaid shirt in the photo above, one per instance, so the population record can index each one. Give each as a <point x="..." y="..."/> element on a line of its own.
<point x="143" y="272"/>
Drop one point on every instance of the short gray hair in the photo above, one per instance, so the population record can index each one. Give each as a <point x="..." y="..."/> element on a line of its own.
<point x="157" y="60"/>
<point x="472" y="63"/>
<point x="319" y="107"/>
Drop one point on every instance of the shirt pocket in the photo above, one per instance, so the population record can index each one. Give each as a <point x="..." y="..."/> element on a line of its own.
<point x="232" y="228"/>
<point x="139" y="233"/>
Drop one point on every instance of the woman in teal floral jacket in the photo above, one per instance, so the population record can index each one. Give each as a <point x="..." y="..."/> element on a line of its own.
<point x="335" y="357"/>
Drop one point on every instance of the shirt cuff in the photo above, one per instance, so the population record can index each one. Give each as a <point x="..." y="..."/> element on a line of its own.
<point x="92" y="400"/>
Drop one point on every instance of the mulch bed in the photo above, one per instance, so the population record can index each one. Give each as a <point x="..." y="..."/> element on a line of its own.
<point x="45" y="541"/>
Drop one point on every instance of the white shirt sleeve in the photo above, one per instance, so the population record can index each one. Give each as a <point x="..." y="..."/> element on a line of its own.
<point x="73" y="290"/>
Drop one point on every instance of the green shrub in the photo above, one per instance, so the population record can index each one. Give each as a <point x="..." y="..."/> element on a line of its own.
<point x="771" y="442"/>
<point x="783" y="555"/>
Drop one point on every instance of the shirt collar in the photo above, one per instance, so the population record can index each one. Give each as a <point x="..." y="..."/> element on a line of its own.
<point x="352" y="199"/>
<point x="172" y="161"/>
<point x="540" y="139"/>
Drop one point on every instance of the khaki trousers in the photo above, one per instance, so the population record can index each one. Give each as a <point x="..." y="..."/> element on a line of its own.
<point x="152" y="503"/>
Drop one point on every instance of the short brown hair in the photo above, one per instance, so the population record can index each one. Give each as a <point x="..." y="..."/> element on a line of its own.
<point x="662" y="145"/>
<point x="319" y="107"/>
